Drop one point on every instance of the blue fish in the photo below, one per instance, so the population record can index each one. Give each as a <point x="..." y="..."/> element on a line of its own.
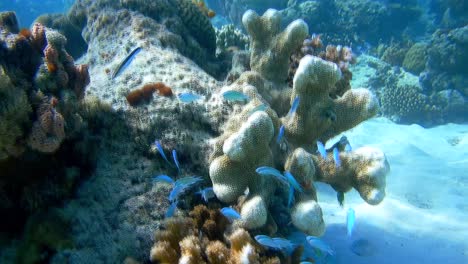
<point x="189" y="97"/>
<point x="171" y="210"/>
<point x="305" y="262"/>
<point x="350" y="219"/>
<point x="261" y="107"/>
<point x="290" y="196"/>
<point x="294" y="106"/>
<point x="188" y="181"/>
<point x="230" y="213"/>
<point x="348" y="148"/>
<point x="235" y="96"/>
<point x="292" y="181"/>
<point x="176" y="191"/>
<point x="174" y="157"/>
<point x="265" y="170"/>
<point x="321" y="150"/>
<point x="336" y="157"/>
<point x="319" y="244"/>
<point x="207" y="193"/>
<point x="163" y="178"/>
<point x="280" y="135"/>
<point x="161" y="150"/>
<point x="277" y="243"/>
<point x="126" y="62"/>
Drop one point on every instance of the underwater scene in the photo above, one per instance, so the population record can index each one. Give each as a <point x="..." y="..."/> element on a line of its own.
<point x="233" y="131"/>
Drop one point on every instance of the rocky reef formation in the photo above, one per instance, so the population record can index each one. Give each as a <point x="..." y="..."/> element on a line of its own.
<point x="240" y="150"/>
<point x="119" y="209"/>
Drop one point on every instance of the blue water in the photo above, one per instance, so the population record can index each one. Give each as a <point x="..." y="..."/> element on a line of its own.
<point x="100" y="179"/>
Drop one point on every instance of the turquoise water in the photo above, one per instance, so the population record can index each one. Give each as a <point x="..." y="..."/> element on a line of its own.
<point x="88" y="125"/>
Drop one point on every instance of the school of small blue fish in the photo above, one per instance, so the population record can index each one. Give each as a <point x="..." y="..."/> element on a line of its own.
<point x="294" y="106"/>
<point x="265" y="170"/>
<point x="317" y="243"/>
<point x="276" y="243"/>
<point x="176" y="161"/>
<point x="161" y="150"/>
<point x="261" y="107"/>
<point x="350" y="219"/>
<point x="321" y="150"/>
<point x="207" y="193"/>
<point x="336" y="157"/>
<point x="292" y="181"/>
<point x="163" y="178"/>
<point x="189" y="97"/>
<point x="230" y="213"/>
<point x="235" y="96"/>
<point x="280" y="134"/>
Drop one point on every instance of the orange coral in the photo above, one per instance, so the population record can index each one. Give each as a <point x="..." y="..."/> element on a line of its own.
<point x="145" y="93"/>
<point x="25" y="33"/>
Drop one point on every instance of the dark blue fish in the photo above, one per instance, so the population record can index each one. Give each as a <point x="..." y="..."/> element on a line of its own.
<point x="161" y="150"/>
<point x="290" y="196"/>
<point x="230" y="213"/>
<point x="163" y="178"/>
<point x="126" y="62"/>
<point x="189" y="97"/>
<point x="171" y="210"/>
<point x="182" y="185"/>
<point x="280" y="135"/>
<point x="292" y="181"/>
<point x="174" y="157"/>
<point x="348" y="148"/>
<point x="321" y="149"/>
<point x="176" y="191"/>
<point x="235" y="96"/>
<point x="294" y="106"/>
<point x="317" y="243"/>
<point x="207" y="193"/>
<point x="336" y="157"/>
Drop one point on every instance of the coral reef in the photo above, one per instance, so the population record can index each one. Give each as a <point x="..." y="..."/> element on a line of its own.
<point x="228" y="37"/>
<point x="241" y="149"/>
<point x="415" y="59"/>
<point x="203" y="238"/>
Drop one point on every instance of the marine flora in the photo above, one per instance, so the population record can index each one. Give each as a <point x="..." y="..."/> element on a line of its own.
<point x="145" y="93"/>
<point x="240" y="150"/>
<point x="204" y="237"/>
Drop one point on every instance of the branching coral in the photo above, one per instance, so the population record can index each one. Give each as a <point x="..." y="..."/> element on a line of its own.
<point x="241" y="149"/>
<point x="201" y="239"/>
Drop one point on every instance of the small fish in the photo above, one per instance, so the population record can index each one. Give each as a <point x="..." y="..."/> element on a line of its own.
<point x="319" y="244"/>
<point x="161" y="150"/>
<point x="290" y="196"/>
<point x="163" y="178"/>
<point x="235" y="96"/>
<point x="265" y="170"/>
<point x="189" y="97"/>
<point x="230" y="213"/>
<point x="305" y="262"/>
<point x="280" y="135"/>
<point x="336" y="157"/>
<point x="171" y="210"/>
<point x="261" y="107"/>
<point x="207" y="193"/>
<point x="340" y="198"/>
<point x="350" y="219"/>
<point x="277" y="243"/>
<point x="126" y="62"/>
<point x="294" y="106"/>
<point x="174" y="157"/>
<point x="348" y="148"/>
<point x="176" y="191"/>
<point x="292" y="181"/>
<point x="321" y="150"/>
<point x="188" y="181"/>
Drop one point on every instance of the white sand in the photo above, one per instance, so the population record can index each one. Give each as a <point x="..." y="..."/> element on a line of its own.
<point x="424" y="217"/>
